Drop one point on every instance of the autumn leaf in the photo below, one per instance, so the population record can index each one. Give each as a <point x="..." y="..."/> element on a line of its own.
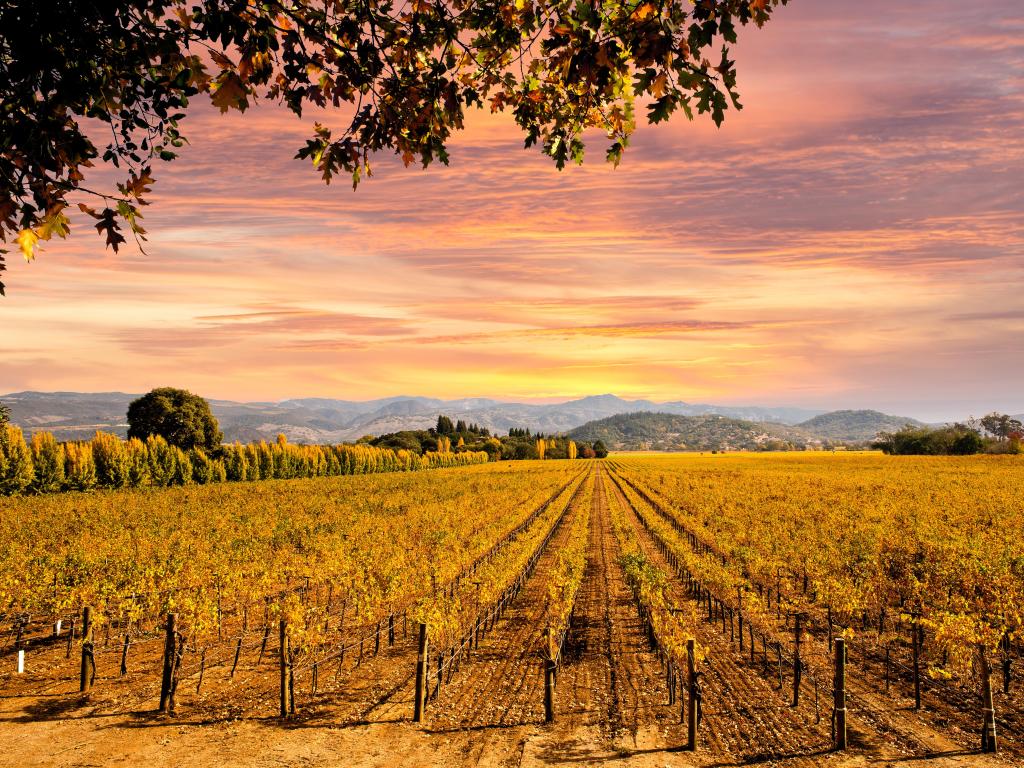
<point x="644" y="12"/>
<point x="54" y="223"/>
<point x="658" y="85"/>
<point x="221" y="60"/>
<point x="28" y="240"/>
<point x="89" y="211"/>
<point x="229" y="93"/>
<point x="108" y="224"/>
<point x="138" y="185"/>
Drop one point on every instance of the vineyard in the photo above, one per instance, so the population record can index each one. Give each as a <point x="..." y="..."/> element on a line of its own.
<point x="730" y="609"/>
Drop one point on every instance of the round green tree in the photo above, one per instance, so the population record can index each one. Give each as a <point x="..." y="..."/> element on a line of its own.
<point x="176" y="415"/>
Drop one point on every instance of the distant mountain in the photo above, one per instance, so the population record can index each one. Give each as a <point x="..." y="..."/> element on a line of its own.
<point x="671" y="432"/>
<point x="75" y="415"/>
<point x="853" y="426"/>
<point x="69" y="415"/>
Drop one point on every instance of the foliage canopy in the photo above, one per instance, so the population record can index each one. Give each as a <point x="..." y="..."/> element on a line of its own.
<point x="402" y="75"/>
<point x="182" y="419"/>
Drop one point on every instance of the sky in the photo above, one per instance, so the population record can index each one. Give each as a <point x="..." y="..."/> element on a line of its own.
<point x="854" y="238"/>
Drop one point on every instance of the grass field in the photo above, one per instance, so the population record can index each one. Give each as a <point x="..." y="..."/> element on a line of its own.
<point x="601" y="572"/>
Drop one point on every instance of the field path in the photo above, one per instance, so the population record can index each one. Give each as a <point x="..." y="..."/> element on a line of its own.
<point x="502" y="683"/>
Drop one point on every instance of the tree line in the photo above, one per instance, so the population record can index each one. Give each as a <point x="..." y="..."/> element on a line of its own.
<point x="458" y="436"/>
<point x="994" y="433"/>
<point x="174" y="439"/>
<point x="43" y="465"/>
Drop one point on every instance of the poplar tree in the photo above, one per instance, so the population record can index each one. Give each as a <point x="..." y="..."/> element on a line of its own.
<point x="79" y="467"/>
<point x="110" y="455"/>
<point x="19" y="473"/>
<point x="48" y="463"/>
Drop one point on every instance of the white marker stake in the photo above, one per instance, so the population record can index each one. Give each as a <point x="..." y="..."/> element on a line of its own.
<point x="56" y="629"/>
<point x="21" y="662"/>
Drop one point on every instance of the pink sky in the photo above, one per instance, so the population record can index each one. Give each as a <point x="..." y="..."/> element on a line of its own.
<point x="853" y="238"/>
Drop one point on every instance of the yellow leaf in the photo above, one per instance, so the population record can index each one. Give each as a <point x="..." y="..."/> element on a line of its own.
<point x="644" y="12"/>
<point x="54" y="223"/>
<point x="658" y="85"/>
<point x="27" y="242"/>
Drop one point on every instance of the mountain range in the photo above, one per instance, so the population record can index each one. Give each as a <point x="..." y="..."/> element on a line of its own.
<point x="709" y="432"/>
<point x="76" y="415"/>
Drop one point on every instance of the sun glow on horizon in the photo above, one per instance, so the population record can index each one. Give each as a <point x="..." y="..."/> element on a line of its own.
<point x="845" y="241"/>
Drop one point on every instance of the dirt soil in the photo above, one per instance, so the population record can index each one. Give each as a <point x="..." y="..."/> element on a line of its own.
<point x="611" y="700"/>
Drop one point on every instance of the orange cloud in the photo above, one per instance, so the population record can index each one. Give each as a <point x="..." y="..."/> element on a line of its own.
<point x="854" y="237"/>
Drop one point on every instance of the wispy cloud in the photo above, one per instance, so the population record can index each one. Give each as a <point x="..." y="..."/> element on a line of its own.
<point x="854" y="236"/>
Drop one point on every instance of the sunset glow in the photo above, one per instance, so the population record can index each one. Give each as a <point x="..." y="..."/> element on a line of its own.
<point x="853" y="238"/>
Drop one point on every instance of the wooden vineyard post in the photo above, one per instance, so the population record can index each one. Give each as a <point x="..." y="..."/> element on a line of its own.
<point x="440" y="675"/>
<point x="549" y="680"/>
<point x="797" y="666"/>
<point x="238" y="652"/>
<point x="71" y="639"/>
<point x="888" y="654"/>
<point x="124" y="650"/>
<point x="691" y="698"/>
<point x="739" y="614"/>
<point x="87" y="671"/>
<point x="915" y="641"/>
<point x="1004" y="643"/>
<point x="778" y="662"/>
<point x="839" y="686"/>
<point x="988" y="727"/>
<point x="202" y="670"/>
<point x="285" y="662"/>
<point x="170" y="643"/>
<point x="391" y="630"/>
<point x="421" y="675"/>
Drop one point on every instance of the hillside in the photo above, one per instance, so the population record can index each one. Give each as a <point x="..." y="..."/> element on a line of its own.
<point x="671" y="432"/>
<point x="75" y="415"/>
<point x="854" y="426"/>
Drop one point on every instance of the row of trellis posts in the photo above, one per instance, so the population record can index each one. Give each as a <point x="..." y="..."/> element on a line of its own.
<point x="989" y="742"/>
<point x="174" y="647"/>
<point x="174" y="650"/>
